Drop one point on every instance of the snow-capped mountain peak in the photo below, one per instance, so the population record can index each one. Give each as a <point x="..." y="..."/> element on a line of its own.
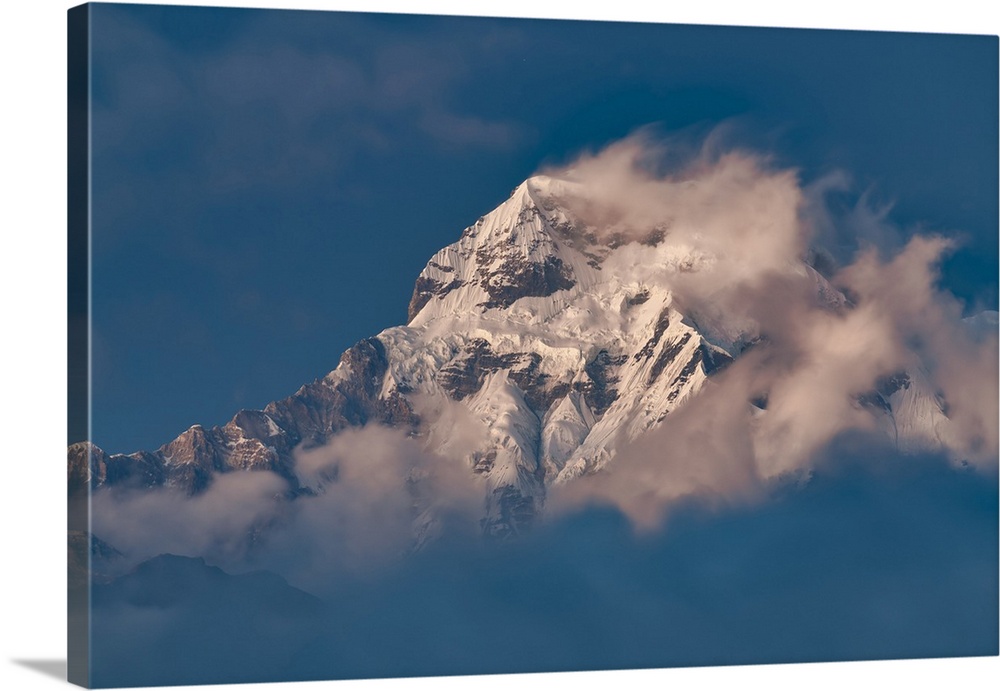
<point x="558" y="339"/>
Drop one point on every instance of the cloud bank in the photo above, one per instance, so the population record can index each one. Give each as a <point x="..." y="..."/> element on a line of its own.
<point x="366" y="499"/>
<point x="745" y="232"/>
<point x="860" y="564"/>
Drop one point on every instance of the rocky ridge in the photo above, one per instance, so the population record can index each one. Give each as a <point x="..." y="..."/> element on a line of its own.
<point x="559" y="345"/>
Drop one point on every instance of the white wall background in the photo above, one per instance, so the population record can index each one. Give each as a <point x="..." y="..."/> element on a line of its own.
<point x="32" y="332"/>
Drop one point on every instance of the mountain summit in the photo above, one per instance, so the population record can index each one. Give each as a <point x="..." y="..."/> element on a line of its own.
<point x="556" y="334"/>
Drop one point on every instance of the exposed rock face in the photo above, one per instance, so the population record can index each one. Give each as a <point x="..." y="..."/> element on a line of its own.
<point x="427" y="288"/>
<point x="598" y="388"/>
<point x="519" y="278"/>
<point x="465" y="374"/>
<point x="257" y="439"/>
<point x="668" y="354"/>
<point x="139" y="469"/>
<point x="350" y="396"/>
<point x="662" y="322"/>
<point x="86" y="464"/>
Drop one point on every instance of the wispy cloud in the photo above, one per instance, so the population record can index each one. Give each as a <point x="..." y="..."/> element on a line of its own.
<point x="303" y="106"/>
<point x="747" y="228"/>
<point x="858" y="565"/>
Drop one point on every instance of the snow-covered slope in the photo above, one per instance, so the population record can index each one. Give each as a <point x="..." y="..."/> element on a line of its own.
<point x="559" y="344"/>
<point x="562" y="348"/>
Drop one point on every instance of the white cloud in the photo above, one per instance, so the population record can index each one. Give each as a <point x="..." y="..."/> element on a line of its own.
<point x="217" y="523"/>
<point x="751" y="226"/>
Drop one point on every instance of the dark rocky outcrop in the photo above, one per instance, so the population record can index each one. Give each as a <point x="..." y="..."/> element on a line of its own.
<point x="599" y="389"/>
<point x="139" y="469"/>
<point x="256" y="439"/>
<point x="513" y="513"/>
<point x="465" y="374"/>
<point x="653" y="237"/>
<point x="427" y="288"/>
<point x="685" y="374"/>
<point x="86" y="464"/>
<point x="878" y="397"/>
<point x="662" y="322"/>
<point x="713" y="359"/>
<point x="892" y="383"/>
<point x="348" y="398"/>
<point x="638" y="299"/>
<point x="519" y="277"/>
<point x="482" y="463"/>
<point x="669" y="353"/>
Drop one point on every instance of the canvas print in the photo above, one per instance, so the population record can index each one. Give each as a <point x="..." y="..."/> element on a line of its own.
<point x="418" y="345"/>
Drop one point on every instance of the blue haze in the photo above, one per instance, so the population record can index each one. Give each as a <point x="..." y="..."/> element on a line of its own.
<point x="874" y="559"/>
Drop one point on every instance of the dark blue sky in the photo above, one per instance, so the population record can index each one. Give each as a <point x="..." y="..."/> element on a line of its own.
<point x="268" y="184"/>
